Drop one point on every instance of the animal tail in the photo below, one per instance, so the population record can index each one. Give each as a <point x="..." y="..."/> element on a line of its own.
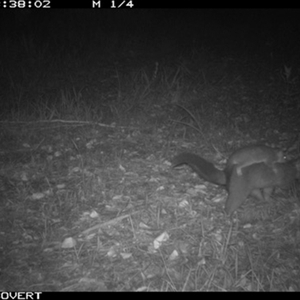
<point x="201" y="166"/>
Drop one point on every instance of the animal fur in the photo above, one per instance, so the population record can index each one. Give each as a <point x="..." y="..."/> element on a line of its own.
<point x="258" y="177"/>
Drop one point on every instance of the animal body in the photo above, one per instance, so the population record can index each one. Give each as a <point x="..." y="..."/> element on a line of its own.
<point x="250" y="155"/>
<point x="245" y="173"/>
